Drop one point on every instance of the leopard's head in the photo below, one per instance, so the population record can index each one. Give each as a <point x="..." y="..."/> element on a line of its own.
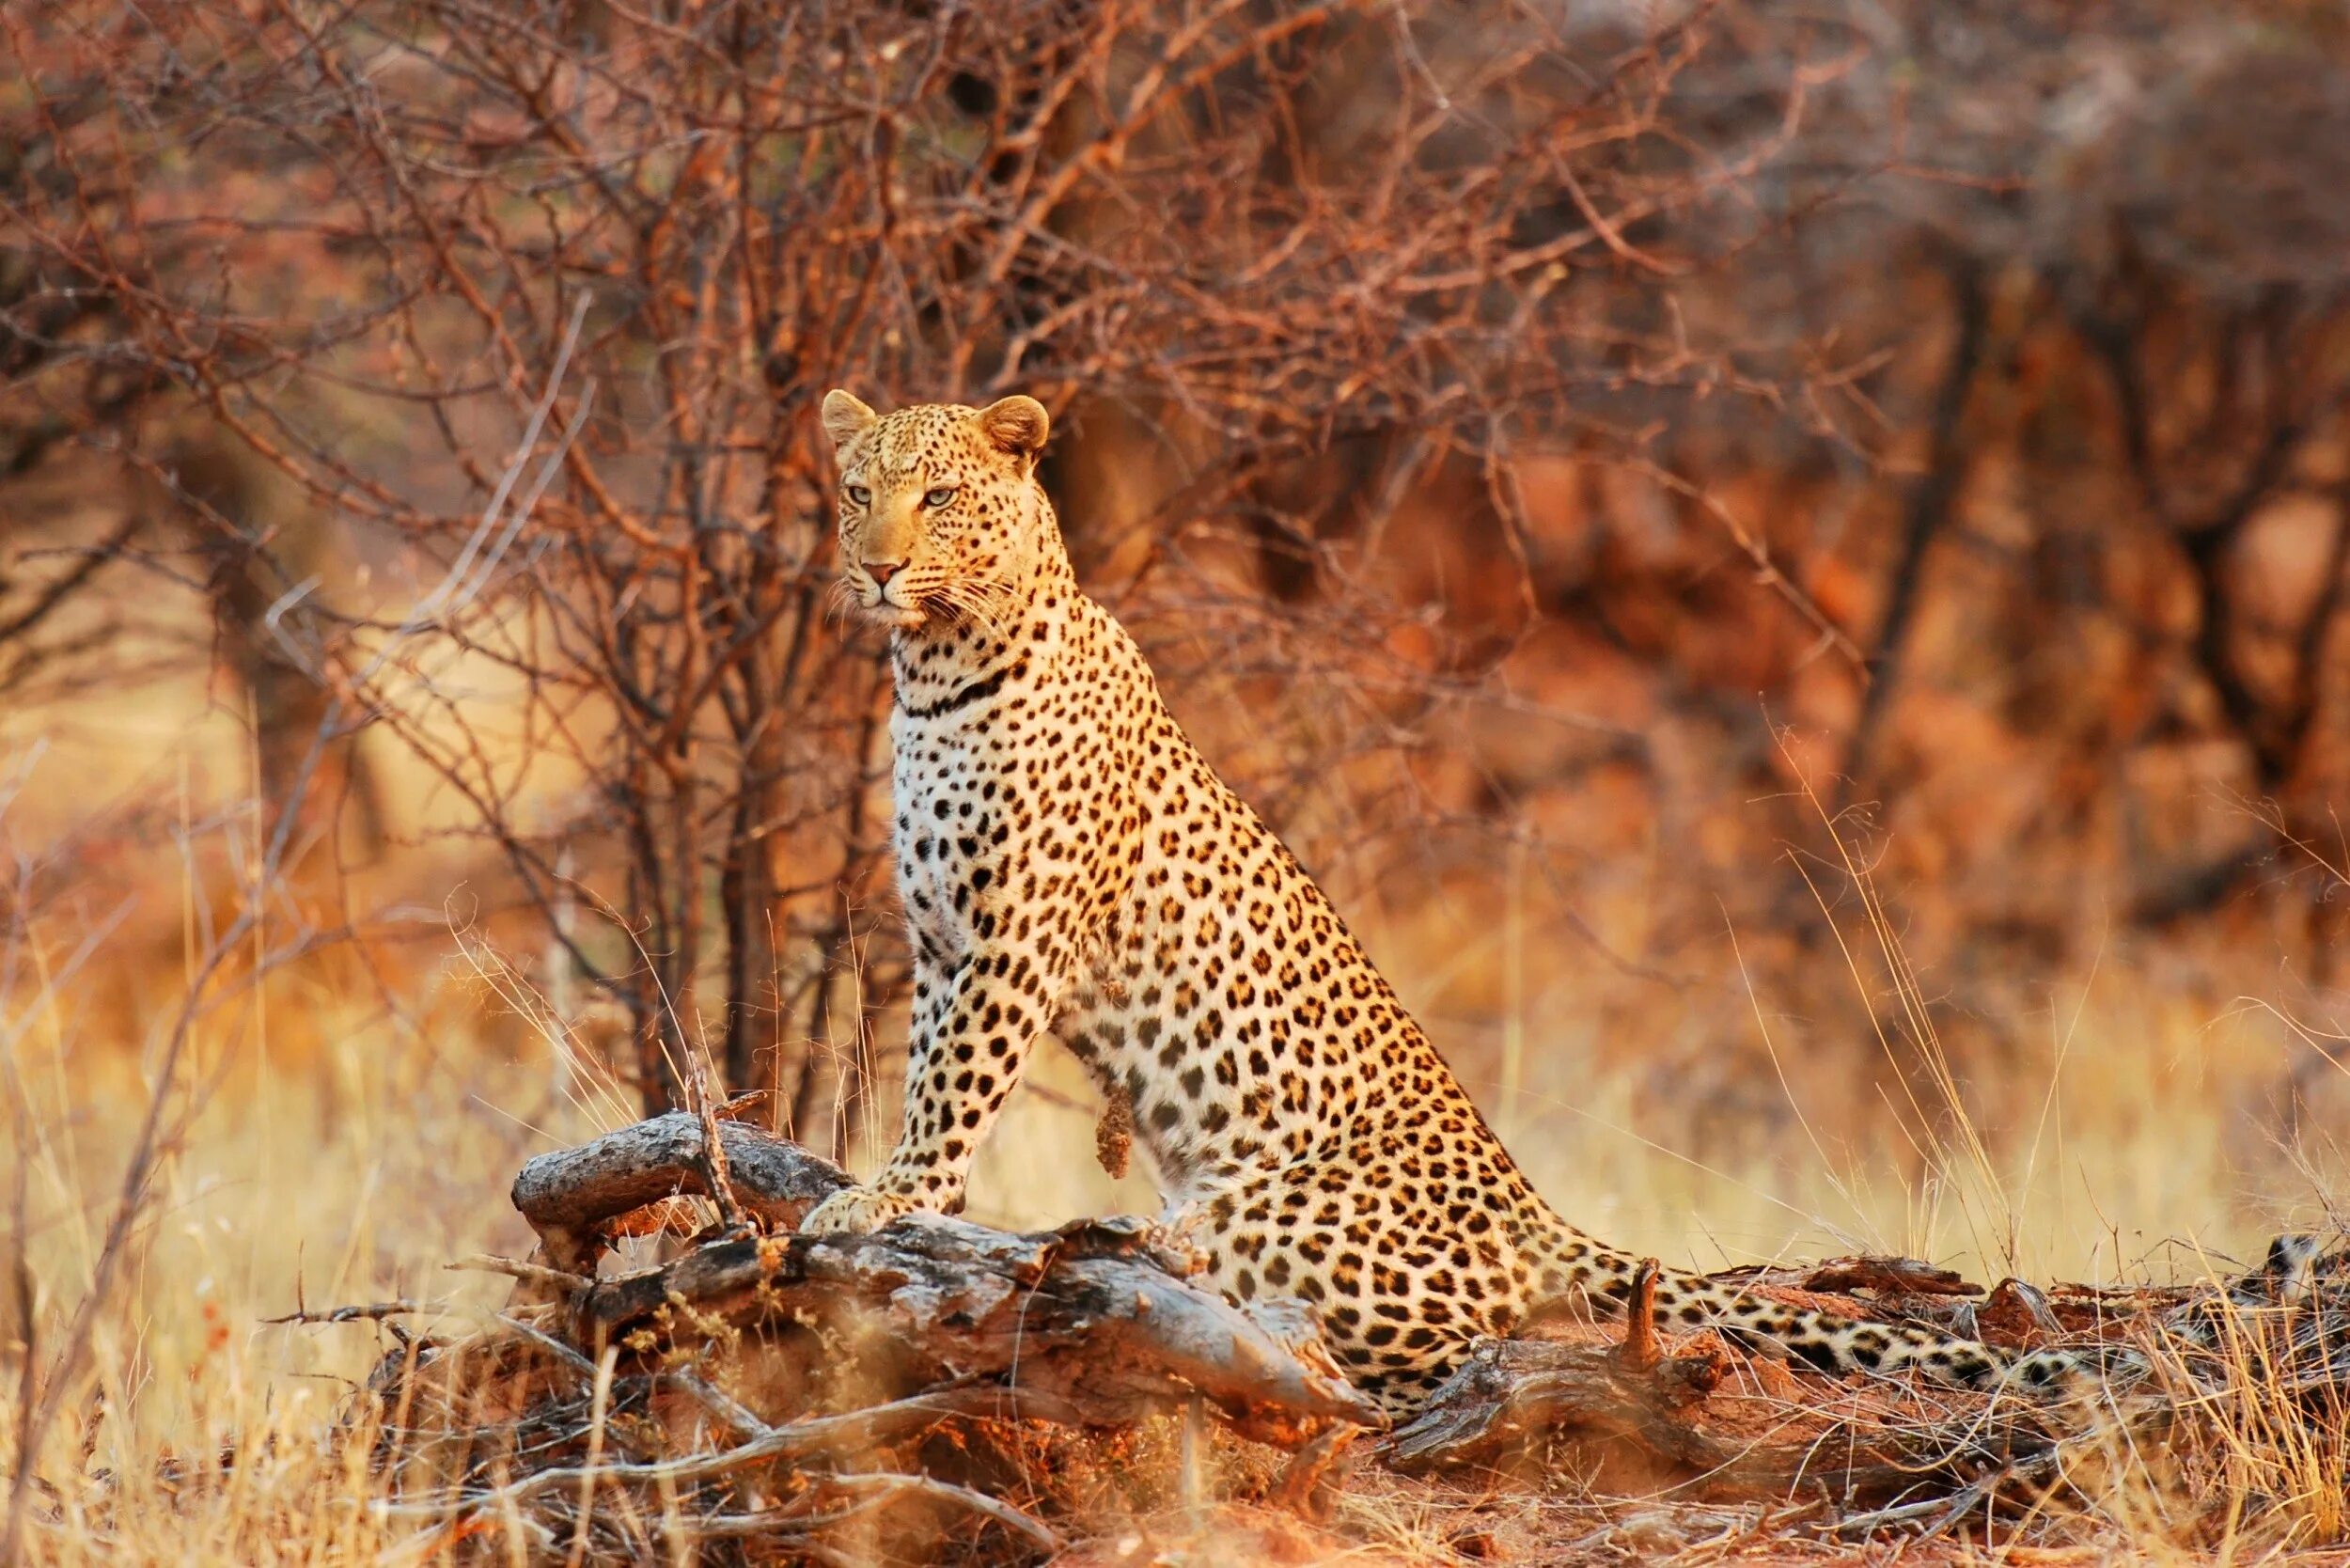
<point x="941" y="516"/>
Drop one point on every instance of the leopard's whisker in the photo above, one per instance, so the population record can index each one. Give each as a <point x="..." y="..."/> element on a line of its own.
<point x="967" y="598"/>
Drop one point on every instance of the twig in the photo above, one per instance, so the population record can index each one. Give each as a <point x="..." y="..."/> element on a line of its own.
<point x="371" y="1313"/>
<point x="714" y="1150"/>
<point x="810" y="1435"/>
<point x="1952" y="1506"/>
<point x="1002" y="1512"/>
<point x="1642" y="1348"/>
<point x="718" y="1403"/>
<point x="530" y="1274"/>
<point x="548" y="1342"/>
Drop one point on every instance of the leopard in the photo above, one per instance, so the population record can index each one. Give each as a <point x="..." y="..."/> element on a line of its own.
<point x="1070" y="865"/>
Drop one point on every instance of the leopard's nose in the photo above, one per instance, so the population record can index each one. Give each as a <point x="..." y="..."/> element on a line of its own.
<point x="882" y="570"/>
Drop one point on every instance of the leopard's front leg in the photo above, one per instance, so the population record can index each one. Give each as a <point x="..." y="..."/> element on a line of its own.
<point x="858" y="1209"/>
<point x="972" y="1029"/>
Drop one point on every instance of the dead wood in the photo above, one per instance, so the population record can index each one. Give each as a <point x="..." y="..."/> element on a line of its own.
<point x="571" y="1195"/>
<point x="1092" y="1325"/>
<point x="1645" y="1413"/>
<point x="754" y="1373"/>
<point x="756" y="1380"/>
<point x="1092" y="1318"/>
<point x="1636" y="1416"/>
<point x="1642" y="1349"/>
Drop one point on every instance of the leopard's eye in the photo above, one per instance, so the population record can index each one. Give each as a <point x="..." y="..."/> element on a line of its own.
<point x="858" y="494"/>
<point x="939" y="497"/>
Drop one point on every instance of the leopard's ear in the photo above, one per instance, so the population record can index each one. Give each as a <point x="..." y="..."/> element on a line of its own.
<point x="1017" y="424"/>
<point x="845" y="417"/>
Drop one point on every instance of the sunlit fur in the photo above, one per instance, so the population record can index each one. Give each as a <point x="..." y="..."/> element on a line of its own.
<point x="1071" y="865"/>
<point x="958" y="558"/>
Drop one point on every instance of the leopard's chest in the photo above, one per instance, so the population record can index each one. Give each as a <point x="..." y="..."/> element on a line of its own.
<point x="941" y="836"/>
<point x="960" y="807"/>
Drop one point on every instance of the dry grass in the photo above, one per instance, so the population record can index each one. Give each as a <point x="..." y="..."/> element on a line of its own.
<point x="201" y="1434"/>
<point x="354" y="1128"/>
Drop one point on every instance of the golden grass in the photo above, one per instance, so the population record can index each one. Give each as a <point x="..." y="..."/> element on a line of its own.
<point x="357" y="1177"/>
<point x="350" y="1144"/>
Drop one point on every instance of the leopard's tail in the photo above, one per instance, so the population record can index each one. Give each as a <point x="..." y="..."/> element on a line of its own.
<point x="1569" y="1266"/>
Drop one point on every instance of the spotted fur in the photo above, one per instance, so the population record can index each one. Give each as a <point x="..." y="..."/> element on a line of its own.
<point x="1069" y="863"/>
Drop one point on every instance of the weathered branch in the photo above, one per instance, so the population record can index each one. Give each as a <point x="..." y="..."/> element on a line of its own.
<point x="1677" y="1421"/>
<point x="778" y="1365"/>
<point x="1093" y="1322"/>
<point x="569" y="1195"/>
<point x="741" y="1379"/>
<point x="1086" y="1322"/>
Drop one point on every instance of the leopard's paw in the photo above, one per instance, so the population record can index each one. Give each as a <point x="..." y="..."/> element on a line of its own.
<point x="855" y="1211"/>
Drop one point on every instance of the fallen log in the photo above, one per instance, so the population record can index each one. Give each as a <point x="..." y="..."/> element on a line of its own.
<point x="1095" y="1318"/>
<point x="755" y="1366"/>
<point x="1087" y="1324"/>
<point x="1530" y="1406"/>
<point x="765" y="1381"/>
<point x="1643" y="1413"/>
<point x="571" y="1196"/>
